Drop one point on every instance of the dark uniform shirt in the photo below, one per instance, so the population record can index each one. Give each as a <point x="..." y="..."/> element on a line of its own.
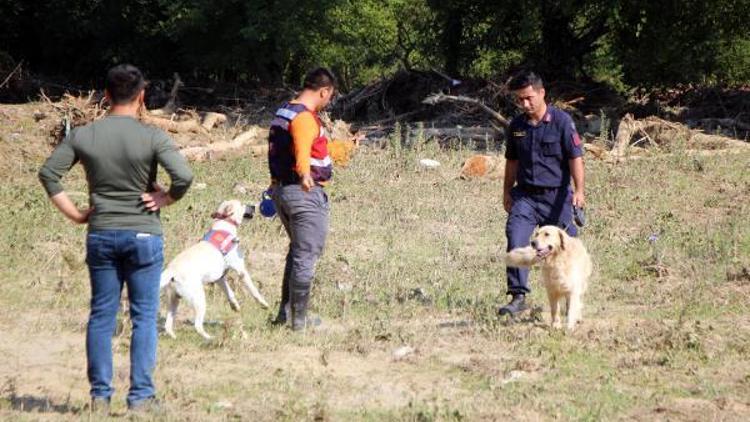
<point x="543" y="150"/>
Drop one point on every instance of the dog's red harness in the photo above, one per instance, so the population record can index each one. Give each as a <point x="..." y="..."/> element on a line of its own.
<point x="222" y="240"/>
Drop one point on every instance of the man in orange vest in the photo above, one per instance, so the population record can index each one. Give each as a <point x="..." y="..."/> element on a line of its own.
<point x="300" y="168"/>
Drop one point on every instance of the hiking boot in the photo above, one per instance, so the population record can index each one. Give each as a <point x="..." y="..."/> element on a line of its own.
<point x="99" y="406"/>
<point x="283" y="316"/>
<point x="284" y="307"/>
<point x="149" y="406"/>
<point x="515" y="306"/>
<point x="300" y="320"/>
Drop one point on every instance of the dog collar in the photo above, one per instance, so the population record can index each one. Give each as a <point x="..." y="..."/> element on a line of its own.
<point x="226" y="218"/>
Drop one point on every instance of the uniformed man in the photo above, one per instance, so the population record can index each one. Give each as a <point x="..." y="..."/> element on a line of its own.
<point x="300" y="169"/>
<point x="543" y="152"/>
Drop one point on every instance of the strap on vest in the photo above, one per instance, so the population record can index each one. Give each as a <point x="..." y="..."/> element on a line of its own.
<point x="221" y="240"/>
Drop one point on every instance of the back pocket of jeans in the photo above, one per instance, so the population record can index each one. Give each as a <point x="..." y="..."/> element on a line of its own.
<point x="148" y="249"/>
<point x="94" y="249"/>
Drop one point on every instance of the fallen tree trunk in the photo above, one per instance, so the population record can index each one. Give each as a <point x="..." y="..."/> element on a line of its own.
<point x="217" y="149"/>
<point x="248" y="137"/>
<point x="174" y="126"/>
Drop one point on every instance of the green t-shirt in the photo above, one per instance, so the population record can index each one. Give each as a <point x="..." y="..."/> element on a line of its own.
<point x="120" y="156"/>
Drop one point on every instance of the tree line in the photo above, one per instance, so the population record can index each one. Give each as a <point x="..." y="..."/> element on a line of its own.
<point x="623" y="43"/>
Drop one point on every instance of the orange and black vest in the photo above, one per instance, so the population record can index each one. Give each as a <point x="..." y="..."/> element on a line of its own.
<point x="281" y="160"/>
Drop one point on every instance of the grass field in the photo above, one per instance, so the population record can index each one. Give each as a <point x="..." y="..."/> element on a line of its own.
<point x="414" y="258"/>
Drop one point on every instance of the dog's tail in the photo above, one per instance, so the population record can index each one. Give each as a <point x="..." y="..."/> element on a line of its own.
<point x="521" y="257"/>
<point x="166" y="277"/>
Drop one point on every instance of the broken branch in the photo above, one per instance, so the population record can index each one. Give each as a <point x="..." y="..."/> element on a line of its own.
<point x="437" y="98"/>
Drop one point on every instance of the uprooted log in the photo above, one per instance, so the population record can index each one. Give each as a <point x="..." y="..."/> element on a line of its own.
<point x="74" y="112"/>
<point x="78" y="111"/>
<point x="399" y="95"/>
<point x="659" y="133"/>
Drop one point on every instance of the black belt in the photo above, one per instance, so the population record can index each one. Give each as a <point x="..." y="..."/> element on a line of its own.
<point x="536" y="189"/>
<point x="283" y="183"/>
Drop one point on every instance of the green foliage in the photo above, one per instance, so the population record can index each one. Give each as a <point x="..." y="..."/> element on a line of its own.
<point x="733" y="61"/>
<point x="683" y="41"/>
<point x="369" y="38"/>
<point x="620" y="42"/>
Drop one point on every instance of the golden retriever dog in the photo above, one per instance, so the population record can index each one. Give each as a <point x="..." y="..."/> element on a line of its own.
<point x="566" y="268"/>
<point x="208" y="261"/>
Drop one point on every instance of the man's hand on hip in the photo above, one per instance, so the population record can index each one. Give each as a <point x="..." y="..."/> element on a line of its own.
<point x="157" y="199"/>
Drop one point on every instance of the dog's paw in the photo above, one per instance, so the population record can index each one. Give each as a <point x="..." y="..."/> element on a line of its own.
<point x="171" y="334"/>
<point x="235" y="306"/>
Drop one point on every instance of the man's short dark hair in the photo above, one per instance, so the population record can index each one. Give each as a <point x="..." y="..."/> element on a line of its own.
<point x="525" y="78"/>
<point x="319" y="78"/>
<point x="123" y="83"/>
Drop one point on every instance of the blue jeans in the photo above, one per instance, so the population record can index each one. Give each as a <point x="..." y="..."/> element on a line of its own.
<point x="114" y="258"/>
<point x="529" y="210"/>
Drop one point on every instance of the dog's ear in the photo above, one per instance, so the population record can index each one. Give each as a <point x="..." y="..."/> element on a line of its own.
<point x="224" y="210"/>
<point x="562" y="239"/>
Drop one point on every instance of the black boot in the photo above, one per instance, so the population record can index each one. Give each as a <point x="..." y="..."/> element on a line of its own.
<point x="515" y="306"/>
<point x="283" y="316"/>
<point x="284" y="308"/>
<point x="300" y="320"/>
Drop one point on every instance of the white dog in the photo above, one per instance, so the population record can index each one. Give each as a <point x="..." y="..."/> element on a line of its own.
<point x="566" y="267"/>
<point x="205" y="262"/>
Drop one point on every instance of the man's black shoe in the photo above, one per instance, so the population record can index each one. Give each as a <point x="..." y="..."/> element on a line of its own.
<point x="515" y="306"/>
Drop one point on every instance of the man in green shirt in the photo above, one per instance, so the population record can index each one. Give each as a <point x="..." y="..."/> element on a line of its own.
<point x="124" y="242"/>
